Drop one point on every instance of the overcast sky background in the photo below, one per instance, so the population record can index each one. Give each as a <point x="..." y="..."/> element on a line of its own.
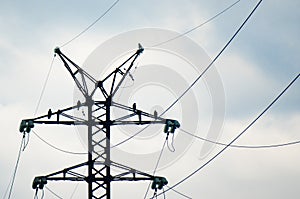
<point x="256" y="67"/>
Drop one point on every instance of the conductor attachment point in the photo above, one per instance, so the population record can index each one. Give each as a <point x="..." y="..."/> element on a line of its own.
<point x="39" y="182"/>
<point x="159" y="183"/>
<point x="57" y="50"/>
<point x="26" y="125"/>
<point x="171" y="126"/>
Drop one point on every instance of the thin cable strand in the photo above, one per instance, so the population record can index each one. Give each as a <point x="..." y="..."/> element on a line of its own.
<point x="198" y="26"/>
<point x="36" y="194"/>
<point x="11" y="184"/>
<point x="54" y="147"/>
<point x="213" y="61"/>
<point x="156" y="166"/>
<point x="74" y="191"/>
<point x="26" y="142"/>
<point x="243" y="146"/>
<point x="197" y="79"/>
<point x="91" y="25"/>
<point x="53" y="193"/>
<point x="44" y="86"/>
<point x="164" y="193"/>
<point x="76" y="187"/>
<point x="43" y="194"/>
<point x="172" y="144"/>
<point x="237" y="137"/>
<point x="178" y="192"/>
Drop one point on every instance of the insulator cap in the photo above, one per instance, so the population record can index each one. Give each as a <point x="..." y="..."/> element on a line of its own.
<point x="171" y="126"/>
<point x="159" y="183"/>
<point x="23" y="126"/>
<point x="39" y="182"/>
<point x="57" y="50"/>
<point x="26" y="125"/>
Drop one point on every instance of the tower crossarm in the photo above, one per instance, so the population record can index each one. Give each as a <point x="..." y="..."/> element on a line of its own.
<point x="134" y="112"/>
<point x="58" y="117"/>
<point x="70" y="174"/>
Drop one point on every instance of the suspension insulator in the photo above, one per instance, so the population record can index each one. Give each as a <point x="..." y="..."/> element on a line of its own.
<point x="159" y="183"/>
<point x="39" y="182"/>
<point x="23" y="126"/>
<point x="171" y="126"/>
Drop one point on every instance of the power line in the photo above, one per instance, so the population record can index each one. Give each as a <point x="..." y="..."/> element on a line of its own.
<point x="11" y="184"/>
<point x="36" y="109"/>
<point x="36" y="194"/>
<point x="99" y="164"/>
<point x="207" y="21"/>
<point x="198" y="26"/>
<point x="44" y="86"/>
<point x="129" y="138"/>
<point x="47" y="77"/>
<point x="92" y="24"/>
<point x="74" y="191"/>
<point x="178" y="192"/>
<point x="244" y="146"/>
<point x="197" y="79"/>
<point x="156" y="166"/>
<point x="56" y="148"/>
<point x="213" y="61"/>
<point x="50" y="69"/>
<point x="57" y="196"/>
<point x="237" y="137"/>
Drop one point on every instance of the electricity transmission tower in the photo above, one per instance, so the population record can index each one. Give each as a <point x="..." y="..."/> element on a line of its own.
<point x="98" y="123"/>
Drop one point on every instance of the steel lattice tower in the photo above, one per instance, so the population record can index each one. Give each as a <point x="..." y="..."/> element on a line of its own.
<point x="99" y="176"/>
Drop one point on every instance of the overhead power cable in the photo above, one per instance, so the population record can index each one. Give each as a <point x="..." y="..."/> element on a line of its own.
<point x="183" y="195"/>
<point x="74" y="190"/>
<point x="156" y="166"/>
<point x="56" y="195"/>
<point x="11" y="184"/>
<point x="198" y="26"/>
<point x="237" y="137"/>
<point x="56" y="148"/>
<point x="91" y="25"/>
<point x="244" y="146"/>
<point x="223" y="11"/>
<point x="213" y="61"/>
<point x="198" y="78"/>
<point x="44" y="86"/>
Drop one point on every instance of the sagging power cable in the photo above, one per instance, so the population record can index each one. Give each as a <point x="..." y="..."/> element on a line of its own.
<point x="91" y="25"/>
<point x="53" y="193"/>
<point x="198" y="26"/>
<point x="44" y="86"/>
<point x="156" y="166"/>
<point x="11" y="184"/>
<point x="56" y="148"/>
<point x="214" y="60"/>
<point x="179" y="193"/>
<point x="199" y="77"/>
<point x="243" y="146"/>
<point x="237" y="137"/>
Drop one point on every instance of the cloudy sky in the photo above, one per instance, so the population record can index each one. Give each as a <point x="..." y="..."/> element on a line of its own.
<point x="254" y="69"/>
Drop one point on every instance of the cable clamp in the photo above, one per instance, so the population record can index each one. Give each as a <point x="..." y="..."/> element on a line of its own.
<point x="26" y="125"/>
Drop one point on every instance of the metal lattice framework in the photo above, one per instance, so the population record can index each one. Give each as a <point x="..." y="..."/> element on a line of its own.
<point x="99" y="122"/>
